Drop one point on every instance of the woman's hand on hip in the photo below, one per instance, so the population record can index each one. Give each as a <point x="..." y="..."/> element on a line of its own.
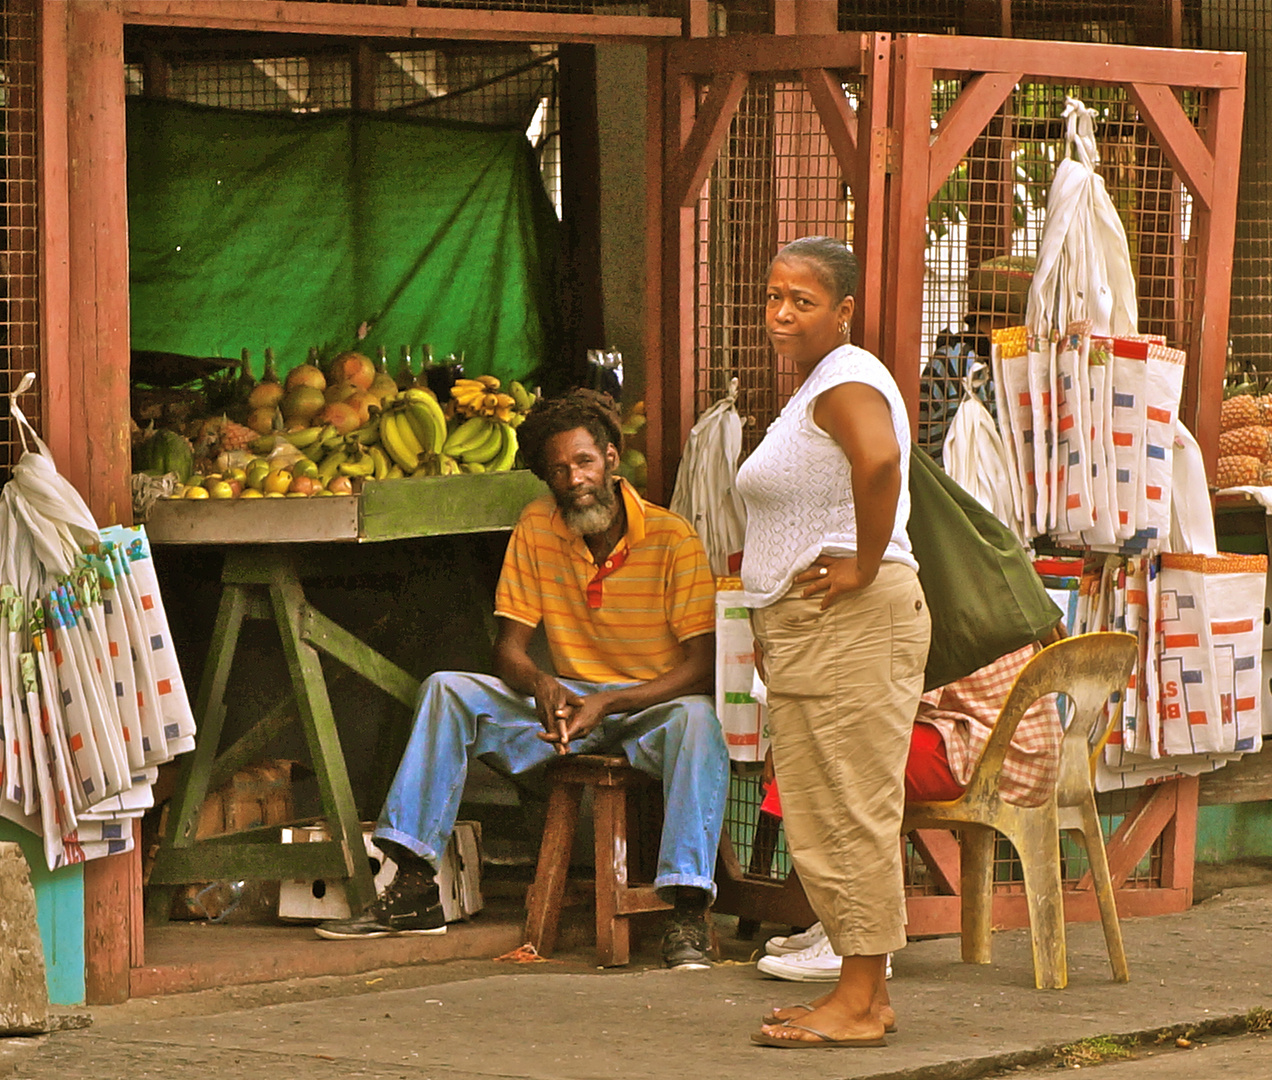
<point x="832" y="576"/>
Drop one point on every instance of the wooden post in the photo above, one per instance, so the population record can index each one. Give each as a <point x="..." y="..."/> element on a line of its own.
<point x="659" y="483"/>
<point x="98" y="451"/>
<point x="907" y="204"/>
<point x="581" y="296"/>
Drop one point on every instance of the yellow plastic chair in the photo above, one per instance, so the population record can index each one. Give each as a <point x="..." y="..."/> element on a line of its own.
<point x="1088" y="670"/>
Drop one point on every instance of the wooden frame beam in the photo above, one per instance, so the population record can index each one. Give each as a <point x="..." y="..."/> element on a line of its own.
<point x="752" y="53"/>
<point x="357" y="20"/>
<point x="838" y="119"/>
<point x="1077" y="62"/>
<point x="688" y="172"/>
<point x="1178" y="139"/>
<point x="964" y="121"/>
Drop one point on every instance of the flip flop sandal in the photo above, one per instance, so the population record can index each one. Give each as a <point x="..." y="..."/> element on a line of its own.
<point x="822" y="1042"/>
<point x="772" y="1017"/>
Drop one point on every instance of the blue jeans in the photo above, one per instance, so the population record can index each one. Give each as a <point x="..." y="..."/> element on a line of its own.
<point x="460" y="714"/>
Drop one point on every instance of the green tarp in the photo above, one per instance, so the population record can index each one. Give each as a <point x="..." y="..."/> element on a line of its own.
<point x="249" y="230"/>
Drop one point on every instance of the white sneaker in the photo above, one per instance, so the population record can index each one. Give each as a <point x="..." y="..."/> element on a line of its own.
<point x="781" y="946"/>
<point x="817" y="963"/>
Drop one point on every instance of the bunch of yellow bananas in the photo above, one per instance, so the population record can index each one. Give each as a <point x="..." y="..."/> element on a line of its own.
<point x="481" y="396"/>
<point x="412" y="429"/>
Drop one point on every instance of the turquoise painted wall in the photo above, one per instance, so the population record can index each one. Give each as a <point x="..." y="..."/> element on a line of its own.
<point x="59" y="909"/>
<point x="1234" y="831"/>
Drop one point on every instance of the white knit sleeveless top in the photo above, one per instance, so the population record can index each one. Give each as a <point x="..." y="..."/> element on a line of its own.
<point x="797" y="484"/>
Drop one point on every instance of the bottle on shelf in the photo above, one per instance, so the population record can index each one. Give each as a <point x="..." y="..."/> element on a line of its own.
<point x="405" y="375"/>
<point x="441" y="377"/>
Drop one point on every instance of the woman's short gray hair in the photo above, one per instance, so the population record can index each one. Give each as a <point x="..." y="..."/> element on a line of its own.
<point x="831" y="260"/>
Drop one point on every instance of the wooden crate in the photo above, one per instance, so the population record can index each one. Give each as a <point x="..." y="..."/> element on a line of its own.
<point x="385" y="510"/>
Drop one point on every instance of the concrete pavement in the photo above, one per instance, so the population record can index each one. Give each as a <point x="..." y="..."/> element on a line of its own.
<point x="1200" y="973"/>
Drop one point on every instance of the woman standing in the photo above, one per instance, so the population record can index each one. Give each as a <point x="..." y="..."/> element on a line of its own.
<point x="842" y="629"/>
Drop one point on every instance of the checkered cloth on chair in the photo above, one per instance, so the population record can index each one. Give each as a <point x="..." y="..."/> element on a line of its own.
<point x="964" y="713"/>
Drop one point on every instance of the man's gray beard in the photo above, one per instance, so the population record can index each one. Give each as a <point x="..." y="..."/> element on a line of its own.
<point x="594" y="519"/>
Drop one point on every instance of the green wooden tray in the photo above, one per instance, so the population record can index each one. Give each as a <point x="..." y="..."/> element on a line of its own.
<point x="385" y="510"/>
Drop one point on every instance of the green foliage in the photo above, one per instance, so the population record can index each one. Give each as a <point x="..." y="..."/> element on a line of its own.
<point x="1094" y="1051"/>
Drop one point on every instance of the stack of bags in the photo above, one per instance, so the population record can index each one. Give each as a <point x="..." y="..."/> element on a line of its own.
<point x="91" y="697"/>
<point x="1098" y="460"/>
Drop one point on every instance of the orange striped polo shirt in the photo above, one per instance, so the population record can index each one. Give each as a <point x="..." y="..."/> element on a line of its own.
<point x="619" y="622"/>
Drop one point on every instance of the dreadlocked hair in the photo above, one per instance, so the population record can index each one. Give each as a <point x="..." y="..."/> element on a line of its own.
<point x="591" y="410"/>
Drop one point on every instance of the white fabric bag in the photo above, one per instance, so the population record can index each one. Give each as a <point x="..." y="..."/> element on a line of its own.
<point x="975" y="457"/>
<point x="706" y="493"/>
<point x="1192" y="526"/>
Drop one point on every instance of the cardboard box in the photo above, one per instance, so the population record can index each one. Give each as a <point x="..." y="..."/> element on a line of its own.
<point x="458" y="878"/>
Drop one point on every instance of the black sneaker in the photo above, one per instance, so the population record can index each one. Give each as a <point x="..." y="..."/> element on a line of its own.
<point x="686" y="942"/>
<point x="410" y="904"/>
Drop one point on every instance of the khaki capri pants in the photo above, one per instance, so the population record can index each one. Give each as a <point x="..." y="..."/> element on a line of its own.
<point x="843" y="690"/>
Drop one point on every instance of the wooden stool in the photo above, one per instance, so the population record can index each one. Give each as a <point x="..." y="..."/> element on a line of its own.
<point x="610" y="778"/>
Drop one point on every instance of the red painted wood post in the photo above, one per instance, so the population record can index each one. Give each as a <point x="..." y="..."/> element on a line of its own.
<point x="1179" y="839"/>
<point x="97" y="461"/>
<point x="907" y="207"/>
<point x="1209" y="347"/>
<point x="870" y="225"/>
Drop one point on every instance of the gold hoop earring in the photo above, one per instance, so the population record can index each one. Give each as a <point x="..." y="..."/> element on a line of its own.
<point x="843" y="328"/>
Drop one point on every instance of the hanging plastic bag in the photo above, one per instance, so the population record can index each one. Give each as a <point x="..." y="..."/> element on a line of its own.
<point x="1192" y="523"/>
<point x="1083" y="276"/>
<point x="706" y="493"/>
<point x="59" y="523"/>
<point x="1083" y="268"/>
<point x="975" y="456"/>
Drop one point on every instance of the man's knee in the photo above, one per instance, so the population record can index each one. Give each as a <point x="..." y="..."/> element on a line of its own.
<point x="696" y="716"/>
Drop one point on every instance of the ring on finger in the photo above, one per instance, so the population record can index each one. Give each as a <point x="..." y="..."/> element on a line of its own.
<point x="821" y="571"/>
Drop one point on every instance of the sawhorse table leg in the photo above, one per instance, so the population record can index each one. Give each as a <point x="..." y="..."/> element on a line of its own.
<point x="264" y="583"/>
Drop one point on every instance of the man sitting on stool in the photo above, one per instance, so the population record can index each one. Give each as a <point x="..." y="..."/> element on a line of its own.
<point x="627" y="600"/>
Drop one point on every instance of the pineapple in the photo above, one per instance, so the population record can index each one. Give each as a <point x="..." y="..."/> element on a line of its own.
<point x="1237" y="470"/>
<point x="1239" y="411"/>
<point x="1251" y="441"/>
<point x="220" y="434"/>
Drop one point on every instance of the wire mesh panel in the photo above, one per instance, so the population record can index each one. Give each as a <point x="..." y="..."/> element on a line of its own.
<point x="19" y="315"/>
<point x="1246" y="26"/>
<point x="984" y="226"/>
<point x="506" y="85"/>
<point x="776" y="179"/>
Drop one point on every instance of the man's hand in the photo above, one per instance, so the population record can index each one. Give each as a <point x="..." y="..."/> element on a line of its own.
<point x="557" y="704"/>
<point x="585" y="714"/>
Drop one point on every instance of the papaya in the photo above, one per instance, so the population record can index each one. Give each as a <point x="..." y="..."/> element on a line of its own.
<point x="166" y="452"/>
